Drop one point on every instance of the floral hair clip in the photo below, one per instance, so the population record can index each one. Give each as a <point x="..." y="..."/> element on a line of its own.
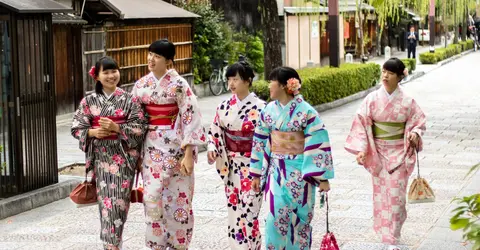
<point x="293" y="86"/>
<point x="92" y="72"/>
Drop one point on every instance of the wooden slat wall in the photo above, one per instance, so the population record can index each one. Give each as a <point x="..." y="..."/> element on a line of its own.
<point x="128" y="45"/>
<point x="63" y="59"/>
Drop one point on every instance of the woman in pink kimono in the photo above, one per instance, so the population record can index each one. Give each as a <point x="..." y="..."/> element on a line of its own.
<point x="169" y="151"/>
<point x="230" y="145"/>
<point x="385" y="133"/>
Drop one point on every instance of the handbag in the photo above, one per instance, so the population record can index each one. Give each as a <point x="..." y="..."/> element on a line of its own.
<point x="420" y="191"/>
<point x="329" y="242"/>
<point x="85" y="193"/>
<point x="136" y="195"/>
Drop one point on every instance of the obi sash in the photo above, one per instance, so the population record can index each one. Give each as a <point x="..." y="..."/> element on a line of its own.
<point x="292" y="143"/>
<point x="162" y="114"/>
<point x="388" y="131"/>
<point x="239" y="141"/>
<point x="115" y="119"/>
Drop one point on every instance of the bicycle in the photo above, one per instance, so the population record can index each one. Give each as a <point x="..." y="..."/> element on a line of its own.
<point x="218" y="82"/>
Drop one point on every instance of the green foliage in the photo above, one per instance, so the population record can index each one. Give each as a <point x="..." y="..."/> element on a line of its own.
<point x="444" y="53"/>
<point x="323" y="85"/>
<point x="215" y="39"/>
<point x="251" y="46"/>
<point x="209" y="38"/>
<point x="410" y="63"/>
<point x="467" y="216"/>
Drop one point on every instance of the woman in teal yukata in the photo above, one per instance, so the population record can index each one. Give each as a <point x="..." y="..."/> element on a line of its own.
<point x="291" y="157"/>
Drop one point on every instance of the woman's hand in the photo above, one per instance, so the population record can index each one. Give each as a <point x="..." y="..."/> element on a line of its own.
<point x="99" y="133"/>
<point x="324" y="186"/>
<point x="361" y="158"/>
<point x="186" y="167"/>
<point x="109" y="125"/>
<point x="212" y="157"/>
<point x="413" y="138"/>
<point x="256" y="184"/>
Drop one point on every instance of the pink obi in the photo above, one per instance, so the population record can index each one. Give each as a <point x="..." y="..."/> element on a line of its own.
<point x="289" y="143"/>
<point x="162" y="114"/>
<point x="116" y="119"/>
<point x="239" y="141"/>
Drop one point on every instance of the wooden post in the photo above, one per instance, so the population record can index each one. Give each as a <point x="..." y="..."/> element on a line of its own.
<point x="334" y="42"/>
<point x="431" y="20"/>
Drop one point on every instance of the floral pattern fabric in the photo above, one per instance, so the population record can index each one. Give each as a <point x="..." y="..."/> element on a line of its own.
<point x="113" y="161"/>
<point x="167" y="193"/>
<point x="289" y="181"/>
<point x="243" y="203"/>
<point x="390" y="162"/>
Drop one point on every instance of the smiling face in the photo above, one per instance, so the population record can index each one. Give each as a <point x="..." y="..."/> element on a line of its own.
<point x="109" y="79"/>
<point x="157" y="63"/>
<point x="237" y="85"/>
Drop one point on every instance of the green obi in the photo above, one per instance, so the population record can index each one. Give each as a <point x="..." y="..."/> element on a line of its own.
<point x="389" y="131"/>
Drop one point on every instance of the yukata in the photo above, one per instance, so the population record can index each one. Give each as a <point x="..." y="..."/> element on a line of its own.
<point x="291" y="154"/>
<point x="113" y="159"/>
<point x="174" y="123"/>
<point x="380" y="129"/>
<point x="230" y="136"/>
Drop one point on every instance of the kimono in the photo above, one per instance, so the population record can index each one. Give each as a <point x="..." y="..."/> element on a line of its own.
<point x="174" y="122"/>
<point x="230" y="136"/>
<point x="291" y="154"/>
<point x="113" y="159"/>
<point x="380" y="129"/>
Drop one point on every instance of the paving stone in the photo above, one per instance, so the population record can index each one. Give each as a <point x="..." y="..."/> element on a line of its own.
<point x="442" y="244"/>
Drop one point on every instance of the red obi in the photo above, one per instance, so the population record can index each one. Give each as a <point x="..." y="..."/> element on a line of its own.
<point x="239" y="141"/>
<point x="116" y="119"/>
<point x="162" y="114"/>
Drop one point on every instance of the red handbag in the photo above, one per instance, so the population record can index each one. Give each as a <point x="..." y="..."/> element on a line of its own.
<point x="85" y="194"/>
<point x="136" y="195"/>
<point x="328" y="242"/>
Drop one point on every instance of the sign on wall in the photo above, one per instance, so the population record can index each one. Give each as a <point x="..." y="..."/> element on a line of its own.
<point x="315" y="29"/>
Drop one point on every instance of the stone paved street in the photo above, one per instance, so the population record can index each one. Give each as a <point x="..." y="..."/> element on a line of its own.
<point x="449" y="97"/>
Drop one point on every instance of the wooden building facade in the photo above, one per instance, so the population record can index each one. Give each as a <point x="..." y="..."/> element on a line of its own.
<point x="124" y="31"/>
<point x="28" y="153"/>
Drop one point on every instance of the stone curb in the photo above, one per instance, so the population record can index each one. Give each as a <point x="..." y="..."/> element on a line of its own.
<point x="37" y="198"/>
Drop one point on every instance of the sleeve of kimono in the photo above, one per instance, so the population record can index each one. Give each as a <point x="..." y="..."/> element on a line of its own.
<point x="193" y="130"/>
<point x="357" y="139"/>
<point x="215" y="135"/>
<point x="81" y="125"/>
<point x="317" y="158"/>
<point x="133" y="130"/>
<point x="417" y="121"/>
<point x="259" y="147"/>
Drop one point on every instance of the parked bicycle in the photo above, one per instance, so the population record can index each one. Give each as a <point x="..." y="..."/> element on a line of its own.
<point x="218" y="81"/>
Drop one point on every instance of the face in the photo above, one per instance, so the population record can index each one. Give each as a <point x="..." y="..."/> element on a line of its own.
<point x="109" y="78"/>
<point x="237" y="85"/>
<point x="157" y="63"/>
<point x="389" y="79"/>
<point x="412" y="29"/>
<point x="276" y="90"/>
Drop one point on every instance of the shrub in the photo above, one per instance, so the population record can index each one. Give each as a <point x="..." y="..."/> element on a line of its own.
<point x="444" y="53"/>
<point x="428" y="58"/>
<point x="323" y="85"/>
<point x="411" y="64"/>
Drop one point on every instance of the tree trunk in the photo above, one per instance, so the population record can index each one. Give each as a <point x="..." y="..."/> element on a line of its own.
<point x="271" y="35"/>
<point x="465" y="25"/>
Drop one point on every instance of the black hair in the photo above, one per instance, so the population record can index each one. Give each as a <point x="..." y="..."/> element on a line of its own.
<point x="396" y="66"/>
<point x="243" y="69"/>
<point x="163" y="48"/>
<point x="104" y="63"/>
<point x="283" y="74"/>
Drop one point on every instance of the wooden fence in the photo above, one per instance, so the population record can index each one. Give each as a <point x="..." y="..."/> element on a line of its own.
<point x="128" y="45"/>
